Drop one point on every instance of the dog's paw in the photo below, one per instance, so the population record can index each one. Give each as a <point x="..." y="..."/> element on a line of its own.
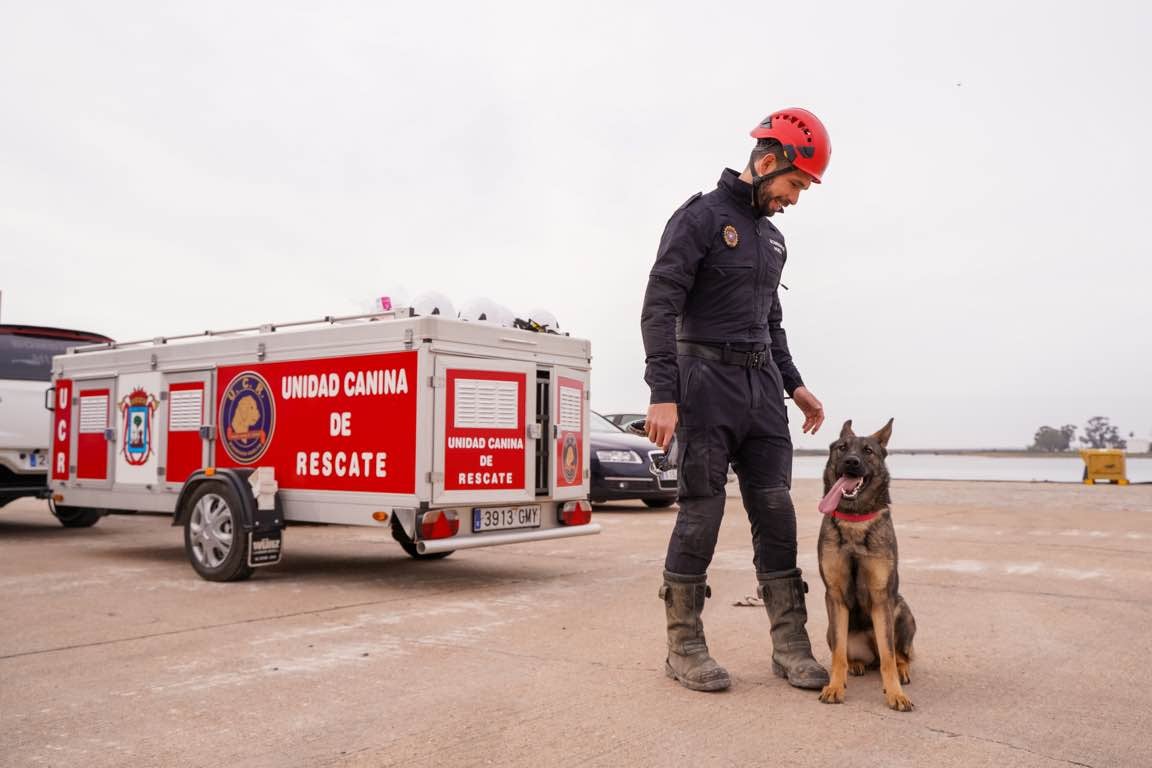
<point x="832" y="694"/>
<point x="898" y="702"/>
<point x="905" y="673"/>
<point x="857" y="668"/>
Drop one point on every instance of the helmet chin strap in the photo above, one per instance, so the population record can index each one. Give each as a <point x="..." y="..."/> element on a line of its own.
<point x="758" y="181"/>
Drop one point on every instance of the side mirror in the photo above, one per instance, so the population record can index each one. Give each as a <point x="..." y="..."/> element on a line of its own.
<point x="50" y="399"/>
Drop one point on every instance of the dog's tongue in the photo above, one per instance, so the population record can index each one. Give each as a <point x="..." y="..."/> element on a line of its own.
<point x="831" y="500"/>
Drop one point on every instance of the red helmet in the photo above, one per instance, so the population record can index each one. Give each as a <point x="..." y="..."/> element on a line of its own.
<point x="803" y="136"/>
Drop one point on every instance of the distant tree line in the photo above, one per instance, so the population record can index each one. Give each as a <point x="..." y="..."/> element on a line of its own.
<point x="1098" y="433"/>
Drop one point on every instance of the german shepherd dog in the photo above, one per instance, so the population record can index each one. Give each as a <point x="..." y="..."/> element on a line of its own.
<point x="869" y="623"/>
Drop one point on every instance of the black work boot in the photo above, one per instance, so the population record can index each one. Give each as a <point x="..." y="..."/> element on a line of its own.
<point x="783" y="595"/>
<point x="688" y="660"/>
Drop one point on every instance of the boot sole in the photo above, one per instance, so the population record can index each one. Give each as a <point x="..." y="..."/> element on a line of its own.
<point x="711" y="685"/>
<point x="809" y="684"/>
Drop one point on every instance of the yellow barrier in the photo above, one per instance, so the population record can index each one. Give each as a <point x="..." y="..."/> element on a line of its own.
<point x="1104" y="464"/>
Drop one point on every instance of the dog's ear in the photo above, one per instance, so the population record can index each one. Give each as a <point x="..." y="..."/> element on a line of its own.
<point x="846" y="431"/>
<point x="884" y="433"/>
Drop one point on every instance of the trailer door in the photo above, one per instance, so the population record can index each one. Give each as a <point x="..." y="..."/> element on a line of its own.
<point x="188" y="443"/>
<point x="483" y="449"/>
<point x="94" y="433"/>
<point x="570" y="446"/>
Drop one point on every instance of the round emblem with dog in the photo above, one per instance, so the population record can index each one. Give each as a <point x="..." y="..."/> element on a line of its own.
<point x="247" y="417"/>
<point x="569" y="458"/>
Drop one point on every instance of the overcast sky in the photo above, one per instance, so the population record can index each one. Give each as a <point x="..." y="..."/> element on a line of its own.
<point x="975" y="263"/>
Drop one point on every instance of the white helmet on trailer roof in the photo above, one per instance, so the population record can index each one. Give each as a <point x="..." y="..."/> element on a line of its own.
<point x="543" y="318"/>
<point x="505" y="316"/>
<point x="481" y="310"/>
<point x="433" y="303"/>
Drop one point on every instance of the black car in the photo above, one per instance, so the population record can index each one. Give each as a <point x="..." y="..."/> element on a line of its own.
<point x="623" y="419"/>
<point x="622" y="467"/>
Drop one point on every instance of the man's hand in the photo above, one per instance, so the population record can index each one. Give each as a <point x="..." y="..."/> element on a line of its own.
<point x="812" y="408"/>
<point x="660" y="425"/>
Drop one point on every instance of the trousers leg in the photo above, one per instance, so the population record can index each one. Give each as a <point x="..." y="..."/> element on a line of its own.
<point x="717" y="400"/>
<point x="773" y="520"/>
<point x="693" y="540"/>
<point x="764" y="465"/>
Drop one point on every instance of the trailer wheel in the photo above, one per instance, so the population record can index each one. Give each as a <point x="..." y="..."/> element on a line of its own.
<point x="658" y="503"/>
<point x="409" y="546"/>
<point x="76" y="517"/>
<point x="214" y="537"/>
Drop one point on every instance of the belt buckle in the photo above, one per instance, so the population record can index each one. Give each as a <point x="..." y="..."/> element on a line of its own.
<point x="755" y="359"/>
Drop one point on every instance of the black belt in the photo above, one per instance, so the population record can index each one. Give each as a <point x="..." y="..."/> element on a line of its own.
<point x="752" y="359"/>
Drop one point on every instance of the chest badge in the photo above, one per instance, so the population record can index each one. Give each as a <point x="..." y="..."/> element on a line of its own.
<point x="731" y="236"/>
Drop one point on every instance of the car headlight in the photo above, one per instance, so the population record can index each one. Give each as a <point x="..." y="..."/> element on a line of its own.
<point x="619" y="457"/>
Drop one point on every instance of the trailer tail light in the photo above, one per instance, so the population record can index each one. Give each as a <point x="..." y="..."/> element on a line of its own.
<point x="439" y="524"/>
<point x="576" y="513"/>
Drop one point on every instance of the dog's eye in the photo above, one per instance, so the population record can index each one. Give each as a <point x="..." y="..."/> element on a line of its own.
<point x="868" y="450"/>
<point x="838" y="447"/>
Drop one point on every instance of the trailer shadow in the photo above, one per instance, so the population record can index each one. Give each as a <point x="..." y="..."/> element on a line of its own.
<point x="12" y="530"/>
<point x="363" y="568"/>
<point x="631" y="508"/>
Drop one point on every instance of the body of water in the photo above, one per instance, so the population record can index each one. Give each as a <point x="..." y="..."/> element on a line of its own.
<point x="943" y="467"/>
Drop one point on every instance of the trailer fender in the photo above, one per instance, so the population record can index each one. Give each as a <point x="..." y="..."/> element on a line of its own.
<point x="252" y="517"/>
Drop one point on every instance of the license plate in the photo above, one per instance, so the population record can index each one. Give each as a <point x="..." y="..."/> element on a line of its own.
<point x="264" y="548"/>
<point x="504" y="518"/>
<point x="668" y="475"/>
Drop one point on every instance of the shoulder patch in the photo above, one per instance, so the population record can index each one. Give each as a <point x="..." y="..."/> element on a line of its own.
<point x="690" y="200"/>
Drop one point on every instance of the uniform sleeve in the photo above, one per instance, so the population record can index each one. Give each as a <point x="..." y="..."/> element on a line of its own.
<point x="780" y="353"/>
<point x="682" y="247"/>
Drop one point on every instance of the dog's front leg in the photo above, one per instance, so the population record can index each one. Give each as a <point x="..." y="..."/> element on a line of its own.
<point x="833" y="693"/>
<point x="878" y="573"/>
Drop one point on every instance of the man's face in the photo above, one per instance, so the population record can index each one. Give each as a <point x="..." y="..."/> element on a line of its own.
<point x="782" y="191"/>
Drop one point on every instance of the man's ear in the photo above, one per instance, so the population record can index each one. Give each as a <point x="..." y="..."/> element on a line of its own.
<point x="765" y="164"/>
<point x="846" y="431"/>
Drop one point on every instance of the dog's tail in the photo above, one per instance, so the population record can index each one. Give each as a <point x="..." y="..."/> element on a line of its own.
<point x="905" y="626"/>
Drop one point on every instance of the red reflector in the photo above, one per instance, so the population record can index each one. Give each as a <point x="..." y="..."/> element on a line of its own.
<point x="439" y="524"/>
<point x="576" y="513"/>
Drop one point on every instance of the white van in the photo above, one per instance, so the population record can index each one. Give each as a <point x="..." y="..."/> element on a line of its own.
<point x="25" y="374"/>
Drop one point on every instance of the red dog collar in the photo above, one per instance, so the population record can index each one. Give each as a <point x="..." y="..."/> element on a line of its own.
<point x="856" y="518"/>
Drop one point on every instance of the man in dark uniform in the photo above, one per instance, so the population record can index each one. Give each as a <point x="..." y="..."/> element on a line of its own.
<point x="718" y="366"/>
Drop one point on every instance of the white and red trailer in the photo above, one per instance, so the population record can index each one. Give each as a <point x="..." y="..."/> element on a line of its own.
<point x="455" y="434"/>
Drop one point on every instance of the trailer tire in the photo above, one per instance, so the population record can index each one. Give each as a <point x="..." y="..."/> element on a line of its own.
<point x="214" y="537"/>
<point x="409" y="546"/>
<point x="77" y="517"/>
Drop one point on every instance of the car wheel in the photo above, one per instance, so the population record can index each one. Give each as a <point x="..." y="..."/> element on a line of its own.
<point x="77" y="517"/>
<point x="409" y="546"/>
<point x="659" y="503"/>
<point x="214" y="537"/>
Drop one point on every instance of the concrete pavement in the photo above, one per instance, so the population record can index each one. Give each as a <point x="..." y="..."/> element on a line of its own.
<point x="1033" y="601"/>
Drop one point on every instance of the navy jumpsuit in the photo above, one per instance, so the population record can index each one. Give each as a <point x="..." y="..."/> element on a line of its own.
<point x="713" y="293"/>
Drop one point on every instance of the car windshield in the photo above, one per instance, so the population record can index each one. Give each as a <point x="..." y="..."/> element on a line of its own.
<point x="29" y="358"/>
<point x="601" y="424"/>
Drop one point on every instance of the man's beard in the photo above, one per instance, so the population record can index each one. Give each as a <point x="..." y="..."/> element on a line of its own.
<point x="763" y="200"/>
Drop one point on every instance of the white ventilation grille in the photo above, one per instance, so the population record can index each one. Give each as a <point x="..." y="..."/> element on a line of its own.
<point x="483" y="404"/>
<point x="570" y="408"/>
<point x="187" y="410"/>
<point x="93" y="413"/>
